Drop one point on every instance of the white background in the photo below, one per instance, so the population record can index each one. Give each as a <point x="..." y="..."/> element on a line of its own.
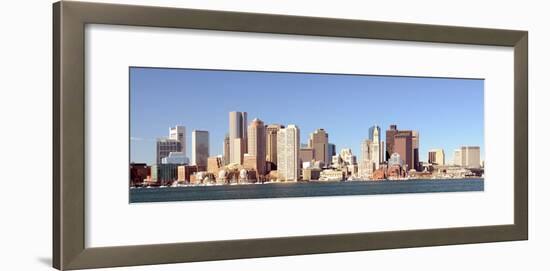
<point x="112" y="49"/>
<point x="25" y="112"/>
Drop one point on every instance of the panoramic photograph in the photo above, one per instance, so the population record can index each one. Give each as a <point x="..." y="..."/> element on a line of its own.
<point x="198" y="134"/>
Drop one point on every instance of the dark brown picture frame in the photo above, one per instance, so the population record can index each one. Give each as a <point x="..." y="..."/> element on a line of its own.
<point x="69" y="20"/>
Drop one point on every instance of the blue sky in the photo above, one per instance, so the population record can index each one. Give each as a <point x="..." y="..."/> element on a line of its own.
<point x="447" y="113"/>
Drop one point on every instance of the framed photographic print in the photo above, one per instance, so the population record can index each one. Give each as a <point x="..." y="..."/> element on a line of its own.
<point x="190" y="135"/>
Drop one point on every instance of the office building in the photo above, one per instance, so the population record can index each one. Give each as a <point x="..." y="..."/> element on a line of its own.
<point x="200" y="147"/>
<point x="376" y="149"/>
<point x="306" y="155"/>
<point x="226" y="154"/>
<point x="436" y="157"/>
<point x="271" y="146"/>
<point x="318" y="141"/>
<point x="390" y="134"/>
<point x="237" y="136"/>
<point x="165" y="146"/>
<point x="457" y="157"/>
<point x="164" y="174"/>
<point x="331" y="152"/>
<point x="214" y="165"/>
<point x="178" y="133"/>
<point x="403" y="145"/>
<point x="470" y="156"/>
<point x="288" y="143"/>
<point x="257" y="145"/>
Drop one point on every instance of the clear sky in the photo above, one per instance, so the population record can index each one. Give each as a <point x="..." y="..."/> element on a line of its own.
<point x="447" y="113"/>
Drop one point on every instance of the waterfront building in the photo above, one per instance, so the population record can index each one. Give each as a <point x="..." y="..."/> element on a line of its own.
<point x="416" y="149"/>
<point x="436" y="157"/>
<point x="366" y="169"/>
<point x="178" y="133"/>
<point x="470" y="156"/>
<point x="403" y="145"/>
<point x="185" y="172"/>
<point x="165" y="146"/>
<point x="318" y="141"/>
<point x="271" y="145"/>
<point x="309" y="174"/>
<point x="257" y="145"/>
<point x="406" y="143"/>
<point x="332" y="175"/>
<point x="288" y="142"/>
<point x="226" y="154"/>
<point x="164" y="174"/>
<point x="457" y="157"/>
<point x="200" y="147"/>
<point x="138" y="173"/>
<point x="214" y="165"/>
<point x="175" y="158"/>
<point x="237" y="136"/>
<point x="250" y="162"/>
<point x="395" y="159"/>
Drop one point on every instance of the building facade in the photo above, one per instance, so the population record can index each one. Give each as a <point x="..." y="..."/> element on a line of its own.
<point x="200" y="147"/>
<point x="257" y="144"/>
<point x="237" y="136"/>
<point x="403" y="145"/>
<point x="178" y="133"/>
<point x="214" y="165"/>
<point x="288" y="146"/>
<point x="164" y="174"/>
<point x="318" y="141"/>
<point x="175" y="158"/>
<point x="436" y="157"/>
<point x="390" y="135"/>
<point x="470" y="156"/>
<point x="376" y="148"/>
<point x="271" y="144"/>
<point x="457" y="157"/>
<point x="165" y="146"/>
<point x="226" y="154"/>
<point x="306" y="155"/>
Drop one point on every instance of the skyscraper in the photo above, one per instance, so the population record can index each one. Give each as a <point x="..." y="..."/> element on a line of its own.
<point x="271" y="143"/>
<point x="178" y="133"/>
<point x="318" y="141"/>
<point x="376" y="150"/>
<point x="390" y="134"/>
<point x="200" y="147"/>
<point x="288" y="147"/>
<point x="457" y="157"/>
<point x="436" y="156"/>
<point x="237" y="136"/>
<point x="416" y="146"/>
<point x="257" y="145"/>
<point x="403" y="145"/>
<point x="470" y="156"/>
<point x="226" y="154"/>
<point x="366" y="166"/>
<point x="406" y="143"/>
<point x="331" y="151"/>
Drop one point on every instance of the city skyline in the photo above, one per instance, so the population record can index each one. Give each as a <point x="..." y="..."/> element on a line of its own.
<point x="449" y="110"/>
